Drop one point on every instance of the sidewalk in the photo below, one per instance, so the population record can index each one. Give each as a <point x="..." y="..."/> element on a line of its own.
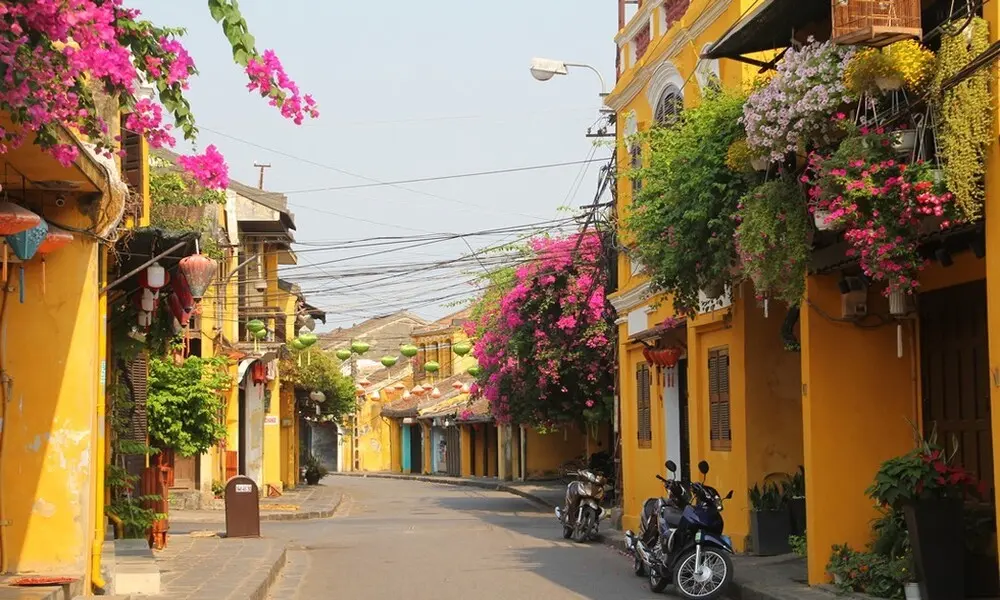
<point x="548" y="494"/>
<point x="194" y="567"/>
<point x="304" y="502"/>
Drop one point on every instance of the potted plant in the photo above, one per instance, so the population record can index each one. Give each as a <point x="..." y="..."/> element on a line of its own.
<point x="314" y="470"/>
<point x="795" y="497"/>
<point x="903" y="64"/>
<point x="770" y="525"/>
<point x="930" y="489"/>
<point x="982" y="575"/>
<point x="772" y="239"/>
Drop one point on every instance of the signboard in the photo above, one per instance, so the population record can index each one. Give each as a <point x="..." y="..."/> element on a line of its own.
<point x="243" y="488"/>
<point x="270" y="420"/>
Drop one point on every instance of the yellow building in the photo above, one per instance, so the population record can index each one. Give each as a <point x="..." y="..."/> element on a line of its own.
<point x="845" y="403"/>
<point x="665" y="411"/>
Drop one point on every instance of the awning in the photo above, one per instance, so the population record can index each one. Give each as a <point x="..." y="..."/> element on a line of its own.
<point x="659" y="330"/>
<point x="771" y="25"/>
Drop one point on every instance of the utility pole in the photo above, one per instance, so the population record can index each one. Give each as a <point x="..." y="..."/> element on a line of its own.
<point x="261" y="166"/>
<point x="356" y="430"/>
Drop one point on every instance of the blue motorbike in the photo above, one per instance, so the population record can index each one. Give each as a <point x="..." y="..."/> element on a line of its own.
<point x="691" y="551"/>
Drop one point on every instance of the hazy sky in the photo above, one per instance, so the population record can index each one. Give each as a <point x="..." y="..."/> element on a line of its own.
<point x="406" y="90"/>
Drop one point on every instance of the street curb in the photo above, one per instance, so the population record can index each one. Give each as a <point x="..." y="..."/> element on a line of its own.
<point x="483" y="485"/>
<point x="272" y="575"/>
<point x="304" y="516"/>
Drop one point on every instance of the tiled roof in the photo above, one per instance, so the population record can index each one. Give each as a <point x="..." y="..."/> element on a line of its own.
<point x="478" y="411"/>
<point x="410" y="407"/>
<point x="453" y="320"/>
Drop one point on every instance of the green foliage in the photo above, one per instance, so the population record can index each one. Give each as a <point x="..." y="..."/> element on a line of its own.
<point x="170" y="189"/>
<point x="965" y="117"/>
<point x="315" y="470"/>
<point x="185" y="405"/>
<point x="227" y="13"/>
<point x="136" y="519"/>
<point x="321" y="372"/>
<point x="773" y="239"/>
<point x="682" y="219"/>
<point x="766" y="498"/>
<point x="889" y="530"/>
<point x="798" y="544"/>
<point x="218" y="488"/>
<point x="869" y="572"/>
<point x="795" y="485"/>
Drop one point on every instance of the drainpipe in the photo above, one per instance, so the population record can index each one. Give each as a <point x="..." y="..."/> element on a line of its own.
<point x="6" y="383"/>
<point x="96" y="579"/>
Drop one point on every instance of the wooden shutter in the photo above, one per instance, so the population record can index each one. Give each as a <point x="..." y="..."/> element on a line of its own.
<point x="718" y="399"/>
<point x="132" y="160"/>
<point x="645" y="426"/>
<point x="138" y="371"/>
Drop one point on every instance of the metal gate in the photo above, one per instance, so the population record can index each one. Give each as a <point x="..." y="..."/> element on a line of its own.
<point x="955" y="375"/>
<point x="453" y="459"/>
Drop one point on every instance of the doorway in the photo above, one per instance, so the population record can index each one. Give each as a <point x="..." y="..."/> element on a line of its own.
<point x="675" y="417"/>
<point x="416" y="448"/>
<point x="954" y="371"/>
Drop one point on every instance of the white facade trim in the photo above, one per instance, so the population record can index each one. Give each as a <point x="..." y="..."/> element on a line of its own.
<point x="632" y="298"/>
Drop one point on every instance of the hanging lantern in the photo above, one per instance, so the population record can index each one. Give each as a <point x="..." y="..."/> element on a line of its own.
<point x="183" y="291"/>
<point x="199" y="270"/>
<point x="406" y="395"/>
<point x="435" y="393"/>
<point x="399" y="386"/>
<point x="671" y="356"/>
<point x="15" y="219"/>
<point x="25" y="244"/>
<point x="457" y="385"/>
<point x="260" y="335"/>
<point x="147" y="300"/>
<point x="365" y="383"/>
<point x="432" y="366"/>
<point x="427" y="388"/>
<point x="648" y="355"/>
<point x="317" y="396"/>
<point x="418" y="390"/>
<point x="297" y="345"/>
<point x="176" y="309"/>
<point x="408" y="350"/>
<point x="144" y="319"/>
<point x="474" y="370"/>
<point x="466" y="389"/>
<point x="55" y="239"/>
<point x="388" y="361"/>
<point x="359" y="347"/>
<point x="308" y="323"/>
<point x="154" y="277"/>
<point x="255" y="325"/>
<point x="308" y="338"/>
<point x="462" y="348"/>
<point x="343" y="354"/>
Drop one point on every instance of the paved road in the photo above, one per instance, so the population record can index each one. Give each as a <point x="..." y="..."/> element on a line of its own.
<point x="406" y="539"/>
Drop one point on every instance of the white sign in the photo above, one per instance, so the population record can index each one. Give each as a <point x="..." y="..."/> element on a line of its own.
<point x="270" y="420"/>
<point x="244" y="488"/>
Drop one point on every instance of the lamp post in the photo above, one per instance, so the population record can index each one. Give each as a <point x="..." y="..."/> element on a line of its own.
<point x="544" y="69"/>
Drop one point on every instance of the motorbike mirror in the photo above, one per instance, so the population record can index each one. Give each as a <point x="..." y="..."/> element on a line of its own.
<point x="729" y="496"/>
<point x="671" y="466"/>
<point x="703" y="467"/>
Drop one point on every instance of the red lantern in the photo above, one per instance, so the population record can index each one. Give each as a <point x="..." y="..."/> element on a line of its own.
<point x="55" y="239"/>
<point x="671" y="356"/>
<point x="177" y="310"/>
<point x="648" y="355"/>
<point x="199" y="270"/>
<point x="183" y="292"/>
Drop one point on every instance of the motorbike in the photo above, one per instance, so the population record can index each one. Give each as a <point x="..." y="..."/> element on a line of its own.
<point x="690" y="551"/>
<point x="678" y="496"/>
<point x="582" y="513"/>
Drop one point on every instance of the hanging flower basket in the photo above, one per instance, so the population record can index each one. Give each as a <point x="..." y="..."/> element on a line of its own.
<point x="904" y="141"/>
<point x="821" y="218"/>
<point x="889" y="84"/>
<point x="900" y="303"/>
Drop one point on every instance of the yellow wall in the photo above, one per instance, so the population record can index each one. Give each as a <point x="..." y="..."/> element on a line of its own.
<point x="546" y="453"/>
<point x="857" y="397"/>
<point x="991" y="11"/>
<point x="50" y="349"/>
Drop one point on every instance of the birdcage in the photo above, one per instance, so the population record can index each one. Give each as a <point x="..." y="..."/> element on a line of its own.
<point x="875" y="23"/>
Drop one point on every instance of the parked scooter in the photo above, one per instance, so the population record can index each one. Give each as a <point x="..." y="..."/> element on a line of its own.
<point x="691" y="552"/>
<point x="582" y="513"/>
<point x="669" y="507"/>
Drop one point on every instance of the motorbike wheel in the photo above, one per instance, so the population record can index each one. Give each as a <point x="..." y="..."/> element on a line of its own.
<point x="583" y="527"/>
<point x="710" y="581"/>
<point x="657" y="583"/>
<point x="638" y="567"/>
<point x="567" y="532"/>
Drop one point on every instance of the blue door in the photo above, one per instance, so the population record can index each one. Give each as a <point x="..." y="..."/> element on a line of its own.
<point x="405" y="445"/>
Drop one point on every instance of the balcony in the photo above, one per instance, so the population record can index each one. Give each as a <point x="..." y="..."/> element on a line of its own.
<point x="652" y="20"/>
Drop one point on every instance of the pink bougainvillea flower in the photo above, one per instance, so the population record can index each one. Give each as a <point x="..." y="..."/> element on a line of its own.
<point x="208" y="169"/>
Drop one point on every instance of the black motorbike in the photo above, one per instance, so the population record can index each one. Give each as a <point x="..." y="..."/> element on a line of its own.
<point x="581" y="516"/>
<point x="678" y="496"/>
<point x="690" y="551"/>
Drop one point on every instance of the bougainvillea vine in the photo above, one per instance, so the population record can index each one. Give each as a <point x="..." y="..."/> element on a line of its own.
<point x="58" y="58"/>
<point x="545" y="346"/>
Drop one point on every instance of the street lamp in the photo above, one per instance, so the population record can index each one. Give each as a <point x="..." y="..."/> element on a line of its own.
<point x="543" y="69"/>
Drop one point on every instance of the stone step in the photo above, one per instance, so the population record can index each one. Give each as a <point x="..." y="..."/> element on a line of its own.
<point x="135" y="570"/>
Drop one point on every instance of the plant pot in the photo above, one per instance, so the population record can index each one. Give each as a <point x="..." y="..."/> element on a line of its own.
<point x="797" y="514"/>
<point x="929" y="225"/>
<point x="905" y="141"/>
<point x="820" y="217"/>
<point x="312" y="478"/>
<point x="900" y="303"/>
<point x="889" y="84"/>
<point x="912" y="591"/>
<point x="769" y="530"/>
<point x="934" y="528"/>
<point x="982" y="575"/>
<point x="759" y="164"/>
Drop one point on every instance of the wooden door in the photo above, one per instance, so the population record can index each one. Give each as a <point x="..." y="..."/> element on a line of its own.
<point x="185" y="472"/>
<point x="955" y="375"/>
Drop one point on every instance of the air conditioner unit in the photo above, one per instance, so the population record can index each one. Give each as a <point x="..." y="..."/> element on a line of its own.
<point x="853" y="297"/>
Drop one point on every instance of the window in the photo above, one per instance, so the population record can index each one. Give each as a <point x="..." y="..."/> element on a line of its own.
<point x="132" y="170"/>
<point x="645" y="428"/>
<point x="670" y="105"/>
<point x="636" y="156"/>
<point x="718" y="399"/>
